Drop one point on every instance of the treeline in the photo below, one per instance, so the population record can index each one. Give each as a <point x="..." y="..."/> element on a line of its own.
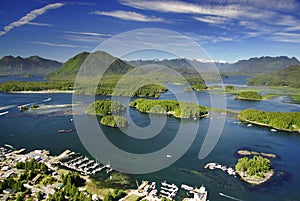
<point x="71" y="182"/>
<point x="196" y="87"/>
<point x="114" y="121"/>
<point x="287" y="77"/>
<point x="105" y="107"/>
<point x="107" y="88"/>
<point x="249" y="95"/>
<point x="32" y="165"/>
<point x="12" y="86"/>
<point x="255" y="166"/>
<point x="289" y="121"/>
<point x="174" y="108"/>
<point x="115" y="195"/>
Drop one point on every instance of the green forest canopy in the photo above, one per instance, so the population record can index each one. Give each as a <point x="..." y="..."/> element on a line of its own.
<point x="249" y="95"/>
<point x="287" y="77"/>
<point x="255" y="166"/>
<point x="105" y="107"/>
<point x="171" y="107"/>
<point x="279" y="120"/>
<point x="114" y="121"/>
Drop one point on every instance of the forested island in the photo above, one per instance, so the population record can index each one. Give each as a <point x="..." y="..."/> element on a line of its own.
<point x="248" y="95"/>
<point x="114" y="121"/>
<point x="256" y="170"/>
<point x="196" y="87"/>
<point x="105" y="109"/>
<point x="286" y="121"/>
<point x="174" y="108"/>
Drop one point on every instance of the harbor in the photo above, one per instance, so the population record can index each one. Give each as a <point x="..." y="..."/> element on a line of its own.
<point x="79" y="163"/>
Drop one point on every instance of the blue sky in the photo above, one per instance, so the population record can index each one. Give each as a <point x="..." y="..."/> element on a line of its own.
<point x="226" y="29"/>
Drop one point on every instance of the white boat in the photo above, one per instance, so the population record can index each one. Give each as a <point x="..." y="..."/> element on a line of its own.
<point x="249" y="125"/>
<point x="273" y="130"/>
<point x="169" y="156"/>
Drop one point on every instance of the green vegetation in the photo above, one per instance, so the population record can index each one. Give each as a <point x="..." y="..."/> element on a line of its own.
<point x="13" y="86"/>
<point x="229" y="88"/>
<point x="23" y="108"/>
<point x="115" y="195"/>
<point x="114" y="121"/>
<point x="171" y="107"/>
<point x="295" y="98"/>
<point x="286" y="77"/>
<point x="31" y="66"/>
<point x="255" y="166"/>
<point x="248" y="95"/>
<point x="288" y="121"/>
<point x="105" y="107"/>
<point x="199" y="87"/>
<point x="71" y="182"/>
<point x="258" y="66"/>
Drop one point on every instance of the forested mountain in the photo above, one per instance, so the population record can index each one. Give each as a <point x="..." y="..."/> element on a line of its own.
<point x="97" y="61"/>
<point x="286" y="77"/>
<point x="29" y="66"/>
<point x="255" y="66"/>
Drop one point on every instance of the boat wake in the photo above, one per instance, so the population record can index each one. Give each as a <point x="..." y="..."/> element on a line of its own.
<point x="3" y="113"/>
<point x="47" y="100"/>
<point x="7" y="107"/>
<point x="230" y="197"/>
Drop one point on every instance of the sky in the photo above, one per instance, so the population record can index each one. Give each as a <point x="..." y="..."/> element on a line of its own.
<point x="227" y="30"/>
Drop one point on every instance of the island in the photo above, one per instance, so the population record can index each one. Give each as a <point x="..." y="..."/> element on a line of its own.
<point x="285" y="121"/>
<point x="105" y="107"/>
<point x="174" y="108"/>
<point x="256" y="170"/>
<point x="248" y="95"/>
<point x="196" y="87"/>
<point x="114" y="121"/>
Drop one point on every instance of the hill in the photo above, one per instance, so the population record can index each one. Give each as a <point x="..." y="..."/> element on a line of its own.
<point x="70" y="68"/>
<point x="29" y="66"/>
<point x="184" y="66"/>
<point x="255" y="66"/>
<point x="286" y="77"/>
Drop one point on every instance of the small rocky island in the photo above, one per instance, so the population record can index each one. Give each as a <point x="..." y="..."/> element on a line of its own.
<point x="256" y="170"/>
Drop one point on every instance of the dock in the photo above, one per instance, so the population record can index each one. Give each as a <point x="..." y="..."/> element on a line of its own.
<point x="224" y="168"/>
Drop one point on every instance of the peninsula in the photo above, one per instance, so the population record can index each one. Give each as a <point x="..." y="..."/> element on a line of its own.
<point x="285" y="121"/>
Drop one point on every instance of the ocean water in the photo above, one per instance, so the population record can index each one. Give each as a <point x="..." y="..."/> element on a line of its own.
<point x="38" y="130"/>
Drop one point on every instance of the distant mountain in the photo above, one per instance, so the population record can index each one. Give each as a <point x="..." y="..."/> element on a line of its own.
<point x="97" y="60"/>
<point x="187" y="67"/>
<point x="256" y="66"/>
<point x="286" y="77"/>
<point x="30" y="66"/>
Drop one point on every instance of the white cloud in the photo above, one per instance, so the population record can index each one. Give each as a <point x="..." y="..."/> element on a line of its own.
<point x="30" y="16"/>
<point x="129" y="15"/>
<point x="212" y="19"/>
<point x="57" y="44"/>
<point x="88" y="33"/>
<point x="39" y="24"/>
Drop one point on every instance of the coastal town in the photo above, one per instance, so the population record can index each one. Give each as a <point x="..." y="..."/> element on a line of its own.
<point x="43" y="182"/>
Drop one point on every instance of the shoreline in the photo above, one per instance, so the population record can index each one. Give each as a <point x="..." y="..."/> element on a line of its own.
<point x="43" y="92"/>
<point x="266" y="125"/>
<point x="255" y="181"/>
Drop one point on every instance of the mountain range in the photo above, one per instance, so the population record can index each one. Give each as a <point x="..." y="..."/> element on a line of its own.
<point x="35" y="65"/>
<point x="29" y="66"/>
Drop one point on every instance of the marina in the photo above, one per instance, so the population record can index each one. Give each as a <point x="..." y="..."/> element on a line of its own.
<point x="79" y="163"/>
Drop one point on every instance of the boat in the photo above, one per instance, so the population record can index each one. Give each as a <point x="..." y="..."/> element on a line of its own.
<point x="249" y="125"/>
<point x="273" y="130"/>
<point x="65" y="130"/>
<point x="169" y="156"/>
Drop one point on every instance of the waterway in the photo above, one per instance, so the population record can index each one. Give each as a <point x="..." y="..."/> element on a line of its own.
<point x="38" y="130"/>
